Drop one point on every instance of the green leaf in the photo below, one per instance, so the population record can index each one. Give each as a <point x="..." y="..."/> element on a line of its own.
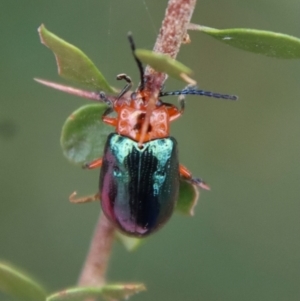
<point x="258" y="41"/>
<point x="188" y="197"/>
<point x="73" y="63"/>
<point x="84" y="134"/>
<point x="17" y="284"/>
<point x="163" y="63"/>
<point x="108" y="292"/>
<point x="130" y="243"/>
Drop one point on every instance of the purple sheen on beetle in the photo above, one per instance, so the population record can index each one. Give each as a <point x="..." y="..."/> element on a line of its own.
<point x="139" y="187"/>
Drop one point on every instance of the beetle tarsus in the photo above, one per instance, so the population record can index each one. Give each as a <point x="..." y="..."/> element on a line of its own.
<point x="86" y="199"/>
<point x="103" y="98"/>
<point x="107" y="111"/>
<point x="93" y="164"/>
<point x="181" y="100"/>
<point x="200" y="183"/>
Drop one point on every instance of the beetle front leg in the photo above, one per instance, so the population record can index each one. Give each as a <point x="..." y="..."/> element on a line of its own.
<point x="187" y="175"/>
<point x="106" y="119"/>
<point x="173" y="111"/>
<point x="109" y="120"/>
<point x="93" y="164"/>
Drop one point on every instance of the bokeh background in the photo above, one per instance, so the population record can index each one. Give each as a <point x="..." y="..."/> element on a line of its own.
<point x="244" y="242"/>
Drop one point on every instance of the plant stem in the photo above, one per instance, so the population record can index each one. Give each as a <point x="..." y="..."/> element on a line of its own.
<point x="172" y="33"/>
<point x="95" y="266"/>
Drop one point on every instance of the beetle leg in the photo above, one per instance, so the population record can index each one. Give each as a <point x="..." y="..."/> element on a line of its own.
<point x="173" y="111"/>
<point x="110" y="120"/>
<point x="106" y="119"/>
<point x="93" y="164"/>
<point x="85" y="199"/>
<point x="181" y="100"/>
<point x="187" y="175"/>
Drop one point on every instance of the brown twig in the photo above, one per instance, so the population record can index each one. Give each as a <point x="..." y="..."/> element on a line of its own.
<point x="95" y="266"/>
<point x="171" y="35"/>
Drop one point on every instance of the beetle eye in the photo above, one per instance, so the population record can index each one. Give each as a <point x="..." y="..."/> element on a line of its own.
<point x="133" y="96"/>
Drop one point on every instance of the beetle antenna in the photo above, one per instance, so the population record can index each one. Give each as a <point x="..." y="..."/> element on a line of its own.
<point x="139" y="63"/>
<point x="193" y="91"/>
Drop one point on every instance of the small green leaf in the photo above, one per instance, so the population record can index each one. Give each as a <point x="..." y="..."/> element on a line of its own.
<point x="84" y="134"/>
<point x="108" y="292"/>
<point x="188" y="197"/>
<point x="17" y="284"/>
<point x="122" y="290"/>
<point x="130" y="243"/>
<point x="258" y="41"/>
<point x="73" y="63"/>
<point x="163" y="63"/>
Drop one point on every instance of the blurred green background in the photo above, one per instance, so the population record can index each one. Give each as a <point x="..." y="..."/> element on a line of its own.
<point x="244" y="242"/>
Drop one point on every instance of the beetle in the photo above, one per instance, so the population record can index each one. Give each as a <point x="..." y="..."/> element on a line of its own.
<point x="140" y="170"/>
